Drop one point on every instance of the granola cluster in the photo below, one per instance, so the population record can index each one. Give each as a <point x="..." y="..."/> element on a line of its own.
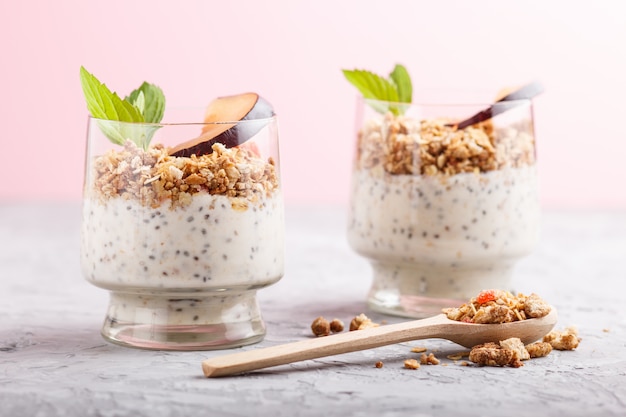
<point x="424" y="359"/>
<point x="499" y="306"/>
<point x="512" y="352"/>
<point x="361" y="322"/>
<point x="509" y="352"/>
<point x="405" y="146"/>
<point x="563" y="339"/>
<point x="429" y="359"/>
<point x="411" y="364"/>
<point x="322" y="327"/>
<point x="153" y="177"/>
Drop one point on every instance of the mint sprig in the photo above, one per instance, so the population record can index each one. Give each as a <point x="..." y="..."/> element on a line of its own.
<point x="402" y="80"/>
<point x="396" y="88"/>
<point x="152" y="104"/>
<point x="144" y="105"/>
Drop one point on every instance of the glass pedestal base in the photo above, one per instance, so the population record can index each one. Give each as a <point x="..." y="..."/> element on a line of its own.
<point x="421" y="290"/>
<point x="172" y="322"/>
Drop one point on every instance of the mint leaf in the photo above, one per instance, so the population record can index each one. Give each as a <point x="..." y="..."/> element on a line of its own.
<point x="154" y="102"/>
<point x="372" y="85"/>
<point x="138" y="101"/>
<point x="104" y="104"/>
<point x="395" y="89"/>
<point x="400" y="76"/>
<point x="150" y="101"/>
<point x="145" y="104"/>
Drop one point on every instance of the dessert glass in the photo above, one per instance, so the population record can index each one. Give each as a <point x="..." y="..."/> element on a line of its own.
<point x="182" y="243"/>
<point x="441" y="213"/>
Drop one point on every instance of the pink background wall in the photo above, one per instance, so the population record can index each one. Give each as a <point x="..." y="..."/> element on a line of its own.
<point x="291" y="52"/>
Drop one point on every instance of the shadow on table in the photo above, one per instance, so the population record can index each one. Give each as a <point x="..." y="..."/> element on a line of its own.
<point x="51" y="338"/>
<point x="355" y="366"/>
<point x="305" y="313"/>
<point x="297" y="327"/>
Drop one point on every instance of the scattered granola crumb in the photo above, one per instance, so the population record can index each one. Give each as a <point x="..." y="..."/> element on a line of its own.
<point x="492" y="354"/>
<point x="429" y="359"/>
<point x="563" y="340"/>
<point x="361" y="322"/>
<point x="336" y="326"/>
<point x="539" y="349"/>
<point x="411" y="364"/>
<point x="464" y="363"/>
<point x="418" y="349"/>
<point x="605" y="330"/>
<point x="519" y="350"/>
<point x="320" y="327"/>
<point x="378" y="364"/>
<point x="457" y="356"/>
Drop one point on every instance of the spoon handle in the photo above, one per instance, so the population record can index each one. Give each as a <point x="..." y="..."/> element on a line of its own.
<point x="525" y="92"/>
<point x="324" y="346"/>
<point x="505" y="103"/>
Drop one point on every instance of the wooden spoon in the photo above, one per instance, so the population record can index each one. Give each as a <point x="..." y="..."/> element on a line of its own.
<point x="466" y="334"/>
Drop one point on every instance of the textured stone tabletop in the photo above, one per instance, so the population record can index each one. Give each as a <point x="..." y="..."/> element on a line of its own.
<point x="53" y="361"/>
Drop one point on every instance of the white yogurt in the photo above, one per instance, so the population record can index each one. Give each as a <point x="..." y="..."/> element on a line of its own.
<point x="448" y="240"/>
<point x="204" y="249"/>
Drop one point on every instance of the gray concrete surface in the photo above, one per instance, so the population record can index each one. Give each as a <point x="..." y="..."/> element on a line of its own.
<point x="53" y="361"/>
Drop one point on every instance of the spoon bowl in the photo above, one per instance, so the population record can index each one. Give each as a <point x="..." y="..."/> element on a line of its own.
<point x="470" y="334"/>
<point x="440" y="327"/>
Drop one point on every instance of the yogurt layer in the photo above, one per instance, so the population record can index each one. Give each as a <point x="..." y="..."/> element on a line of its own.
<point x="207" y="245"/>
<point x="435" y="238"/>
<point x="469" y="218"/>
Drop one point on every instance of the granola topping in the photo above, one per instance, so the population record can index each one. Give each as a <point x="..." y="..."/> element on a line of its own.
<point x="154" y="178"/>
<point x="405" y="146"/>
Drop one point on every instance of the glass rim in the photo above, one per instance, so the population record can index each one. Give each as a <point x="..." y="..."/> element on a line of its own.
<point x="201" y="123"/>
<point x="444" y="104"/>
